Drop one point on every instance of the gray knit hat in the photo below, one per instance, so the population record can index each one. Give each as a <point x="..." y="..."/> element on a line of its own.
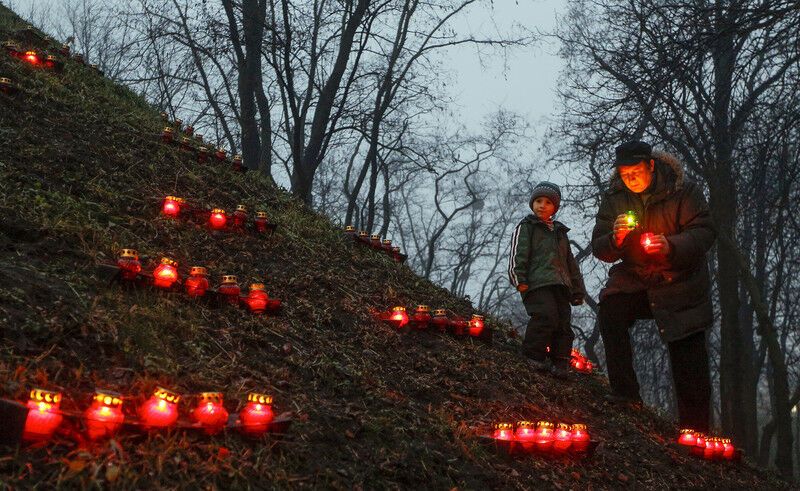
<point x="549" y="190"/>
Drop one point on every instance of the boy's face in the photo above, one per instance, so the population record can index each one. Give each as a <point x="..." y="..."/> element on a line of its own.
<point x="637" y="177"/>
<point x="543" y="207"/>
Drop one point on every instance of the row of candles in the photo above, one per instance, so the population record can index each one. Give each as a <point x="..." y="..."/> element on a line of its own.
<point x="104" y="417"/>
<point x="166" y="276"/>
<point x="42" y="59"/>
<point x="708" y="447"/>
<point x="375" y="242"/>
<point x="544" y="436"/>
<point x="187" y="138"/>
<point x="217" y="218"/>
<point x="422" y="319"/>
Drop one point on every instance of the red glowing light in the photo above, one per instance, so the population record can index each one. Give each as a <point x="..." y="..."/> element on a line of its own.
<point x="197" y="283"/>
<point x="229" y="289"/>
<point x="161" y="410"/>
<point x="543" y="435"/>
<point x="129" y="264"/>
<point x="261" y="221"/>
<point x="710" y="448"/>
<point x="646" y="241"/>
<point x="44" y="415"/>
<point x="239" y="216"/>
<point x="166" y="274"/>
<point x="256" y="416"/>
<point x="421" y="317"/>
<point x="503" y="431"/>
<point x="31" y="57"/>
<point x="687" y="438"/>
<point x="728" y="450"/>
<point x="104" y="417"/>
<point x="563" y="437"/>
<point x="210" y="412"/>
<point x="525" y="434"/>
<point x="476" y="325"/>
<point x="257" y="298"/>
<point x="580" y="437"/>
<point x="171" y="206"/>
<point x="217" y="220"/>
<point x="398" y="317"/>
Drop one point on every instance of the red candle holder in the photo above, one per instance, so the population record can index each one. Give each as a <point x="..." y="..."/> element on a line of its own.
<point x="363" y="237"/>
<point x="387" y="245"/>
<point x="202" y="155"/>
<point x="728" y="450"/>
<point x="710" y="448"/>
<point x="229" y="289"/>
<point x="687" y="437"/>
<point x="210" y="412"/>
<point x="178" y="124"/>
<point x="199" y="137"/>
<point x="7" y="86"/>
<point x="476" y="325"/>
<point x="171" y="206"/>
<point x="421" y="317"/>
<point x="167" y="134"/>
<point x="646" y="241"/>
<point x="196" y="284"/>
<point x="64" y="50"/>
<point x="459" y="326"/>
<point x="217" y="220"/>
<point x="240" y="216"/>
<point x="350" y="230"/>
<point x="44" y="415"/>
<point x="257" y="414"/>
<point x="375" y="241"/>
<point x="161" y="410"/>
<point x="396" y="254"/>
<point x="398" y="317"/>
<point x="53" y="63"/>
<point x="166" y="274"/>
<point x="189" y="130"/>
<point x="503" y="431"/>
<point x="31" y="57"/>
<point x="440" y="320"/>
<point x="79" y="58"/>
<point x="257" y="298"/>
<point x="220" y="154"/>
<point x="104" y="417"/>
<point x="700" y="446"/>
<point x="580" y="438"/>
<point x="261" y="222"/>
<point x="186" y="143"/>
<point x="525" y="434"/>
<point x="562" y="439"/>
<point x="129" y="265"/>
<point x="12" y="49"/>
<point x="237" y="162"/>
<point x="543" y="436"/>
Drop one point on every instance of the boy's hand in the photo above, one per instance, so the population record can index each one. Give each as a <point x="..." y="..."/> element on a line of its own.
<point x="621" y="229"/>
<point x="522" y="288"/>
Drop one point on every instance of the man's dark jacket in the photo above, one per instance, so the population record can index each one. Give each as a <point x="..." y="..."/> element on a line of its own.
<point x="678" y="284"/>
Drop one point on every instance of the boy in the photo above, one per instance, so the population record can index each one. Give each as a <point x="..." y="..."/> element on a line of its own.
<point x="544" y="271"/>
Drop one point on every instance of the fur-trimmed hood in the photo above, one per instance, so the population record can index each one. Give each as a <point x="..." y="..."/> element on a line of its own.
<point x="671" y="174"/>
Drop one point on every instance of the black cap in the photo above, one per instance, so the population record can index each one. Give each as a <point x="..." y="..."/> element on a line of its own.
<point x="633" y="152"/>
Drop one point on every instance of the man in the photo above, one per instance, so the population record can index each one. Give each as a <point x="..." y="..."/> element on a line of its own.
<point x="664" y="278"/>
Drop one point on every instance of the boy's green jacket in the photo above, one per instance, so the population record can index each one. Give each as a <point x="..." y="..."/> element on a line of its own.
<point x="542" y="257"/>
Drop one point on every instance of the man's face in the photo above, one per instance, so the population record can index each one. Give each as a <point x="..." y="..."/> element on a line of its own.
<point x="637" y="177"/>
<point x="543" y="207"/>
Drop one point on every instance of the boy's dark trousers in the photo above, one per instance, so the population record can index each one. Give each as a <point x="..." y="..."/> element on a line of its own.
<point x="688" y="358"/>
<point x="549" y="325"/>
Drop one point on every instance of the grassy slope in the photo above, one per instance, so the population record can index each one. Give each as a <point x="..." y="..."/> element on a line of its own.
<point x="81" y="175"/>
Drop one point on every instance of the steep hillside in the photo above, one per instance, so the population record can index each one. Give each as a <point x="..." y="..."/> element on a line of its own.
<point x="82" y="173"/>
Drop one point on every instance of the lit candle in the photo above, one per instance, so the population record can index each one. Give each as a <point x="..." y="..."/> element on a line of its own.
<point x="398" y="317"/>
<point x="31" y="57"/>
<point x="563" y="437"/>
<point x="229" y="289"/>
<point x="44" y="415"/>
<point x="261" y="221"/>
<point x="161" y="410"/>
<point x="129" y="265"/>
<point x="631" y="220"/>
<point x="257" y="298"/>
<point x="503" y="431"/>
<point x="728" y="450"/>
<point x="421" y="317"/>
<point x="708" y="451"/>
<point x="256" y="416"/>
<point x="700" y="446"/>
<point x="646" y="241"/>
<point x="217" y="220"/>
<point x="240" y="216"/>
<point x="210" y="412"/>
<point x="580" y="438"/>
<point x="543" y="435"/>
<point x="687" y="437"/>
<point x="197" y="282"/>
<point x="476" y="325"/>
<point x="525" y="434"/>
<point x="440" y="320"/>
<point x="104" y="417"/>
<point x="172" y="206"/>
<point x="166" y="274"/>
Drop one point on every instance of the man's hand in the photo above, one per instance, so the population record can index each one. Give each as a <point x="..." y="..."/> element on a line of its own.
<point x="658" y="245"/>
<point x="522" y="288"/>
<point x="621" y="229"/>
